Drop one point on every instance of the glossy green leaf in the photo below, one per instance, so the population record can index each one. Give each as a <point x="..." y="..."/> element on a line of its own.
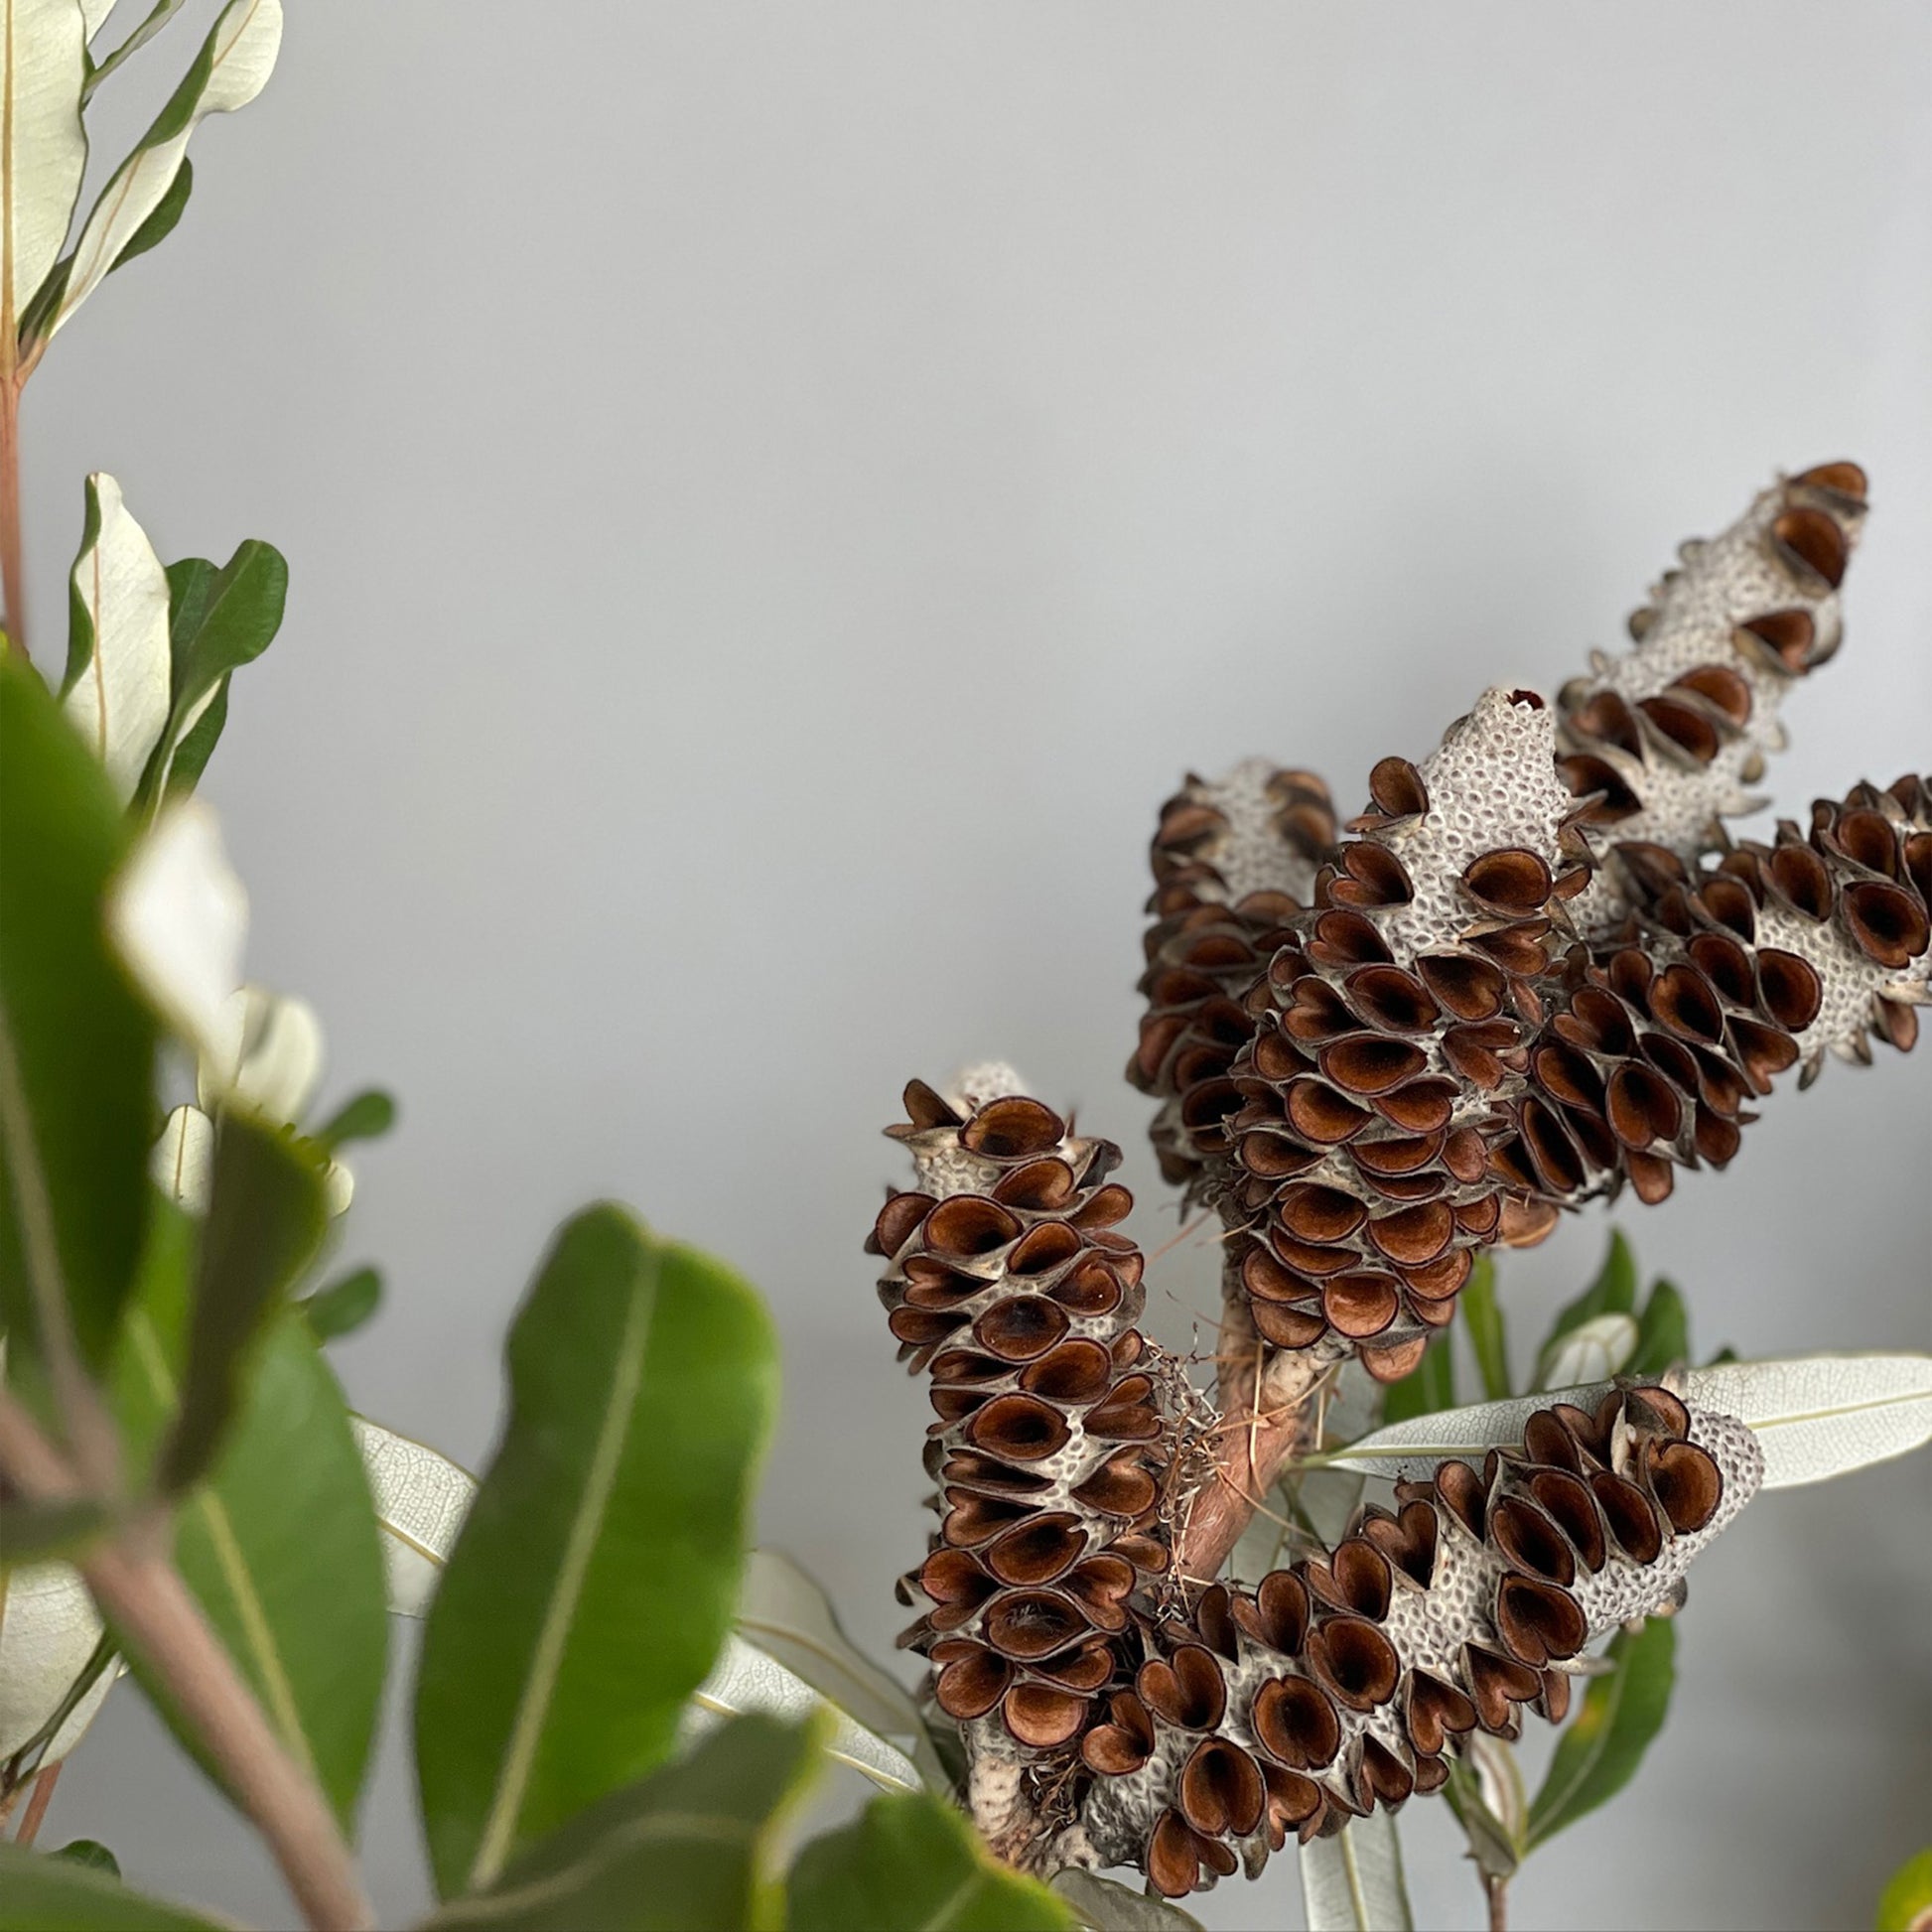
<point x="267" y="1213"/>
<point x="77" y="1047"/>
<point x="1906" y="1906"/>
<point x="690" y="1848"/>
<point x="1613" y="1292"/>
<point x="49" y="1893"/>
<point x="595" y="1578"/>
<point x="910" y="1862"/>
<point x="367" y="1116"/>
<point x="1105" y="1905"/>
<point x="279" y="1543"/>
<point x="217" y="621"/>
<point x="89" y="1852"/>
<point x="1663" y="1332"/>
<point x="1427" y="1387"/>
<point x="1604" y="1742"/>
<point x="344" y="1306"/>
<point x="1483" y="1317"/>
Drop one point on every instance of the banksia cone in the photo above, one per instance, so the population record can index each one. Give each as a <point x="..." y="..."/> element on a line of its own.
<point x="1361" y="1116"/>
<point x="1007" y="1284"/>
<point x="1669" y="737"/>
<point x="1233" y="862"/>
<point x="1351" y="1680"/>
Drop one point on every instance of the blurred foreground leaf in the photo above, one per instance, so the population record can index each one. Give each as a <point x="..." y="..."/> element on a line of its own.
<point x="77" y="1047"/>
<point x="690" y="1848"/>
<point x="595" y="1578"/>
<point x="911" y="1862"/>
<point x="279" y="1541"/>
<point x="40" y="1892"/>
<point x="1906" y="1906"/>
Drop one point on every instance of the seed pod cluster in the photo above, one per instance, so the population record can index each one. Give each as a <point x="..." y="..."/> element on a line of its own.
<point x="1351" y="1680"/>
<point x="1358" y="1122"/>
<point x="1008" y="1286"/>
<point x="1233" y="860"/>
<point x="1669" y="737"/>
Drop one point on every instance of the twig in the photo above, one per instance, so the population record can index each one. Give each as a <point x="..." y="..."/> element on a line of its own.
<point x="43" y="1782"/>
<point x="141" y="1592"/>
<point x="13" y="576"/>
<point x="1498" y="1890"/>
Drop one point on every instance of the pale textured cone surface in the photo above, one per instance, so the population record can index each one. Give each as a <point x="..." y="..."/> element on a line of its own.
<point x="1674" y="733"/>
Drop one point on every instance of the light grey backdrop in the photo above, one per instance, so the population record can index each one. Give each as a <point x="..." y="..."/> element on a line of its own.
<point x="776" y="496"/>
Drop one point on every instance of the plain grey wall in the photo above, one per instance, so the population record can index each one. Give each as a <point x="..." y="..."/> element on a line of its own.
<point x="776" y="496"/>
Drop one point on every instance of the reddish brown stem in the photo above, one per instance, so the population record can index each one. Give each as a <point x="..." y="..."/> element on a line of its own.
<point x="13" y="574"/>
<point x="37" y="1803"/>
<point x="1498" y="1890"/>
<point x="142" y="1595"/>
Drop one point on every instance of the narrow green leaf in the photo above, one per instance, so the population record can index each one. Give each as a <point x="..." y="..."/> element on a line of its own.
<point x="344" y="1306"/>
<point x="1663" y="1332"/>
<point x="278" y="1543"/>
<point x="1427" y="1387"/>
<point x="1906" y="1906"/>
<point x="76" y="1049"/>
<point x="1622" y="1712"/>
<point x="31" y="1532"/>
<point x="690" y="1848"/>
<point x="197" y="745"/>
<point x="157" y="18"/>
<point x="603" y="1549"/>
<point x="42" y="1892"/>
<point x="367" y="1116"/>
<point x="267" y="1214"/>
<point x="89" y="1852"/>
<point x="911" y="1863"/>
<point x="1104" y="1905"/>
<point x="162" y="222"/>
<point x="1496" y="1851"/>
<point x="1613" y="1292"/>
<point x="1482" y="1316"/>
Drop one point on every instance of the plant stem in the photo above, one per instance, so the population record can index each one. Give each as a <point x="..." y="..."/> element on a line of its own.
<point x="1498" y="1890"/>
<point x="141" y="1592"/>
<point x="45" y="1780"/>
<point x="13" y="574"/>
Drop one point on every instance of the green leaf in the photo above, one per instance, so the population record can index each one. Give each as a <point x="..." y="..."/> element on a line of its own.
<point x="344" y="1306"/>
<point x="1491" y="1843"/>
<point x="30" y="1532"/>
<point x="279" y="1543"/>
<point x="1663" y="1332"/>
<point x="160" y="224"/>
<point x="89" y="1852"/>
<point x="595" y="1576"/>
<point x="198" y="744"/>
<point x="367" y="1116"/>
<point x="690" y="1848"/>
<point x="1613" y="1292"/>
<point x="217" y="621"/>
<point x="911" y="1863"/>
<point x="1600" y="1752"/>
<point x="1428" y="1386"/>
<point x="43" y="1893"/>
<point x="1104" y="1905"/>
<point x="76" y="1049"/>
<point x="157" y="18"/>
<point x="267" y="1214"/>
<point x="1906" y="1906"/>
<point x="1484" y="1319"/>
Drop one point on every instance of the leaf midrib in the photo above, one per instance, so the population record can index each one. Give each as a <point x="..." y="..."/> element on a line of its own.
<point x="527" y="1729"/>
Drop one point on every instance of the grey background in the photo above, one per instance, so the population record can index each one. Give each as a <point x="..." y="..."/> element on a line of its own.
<point x="775" y="496"/>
